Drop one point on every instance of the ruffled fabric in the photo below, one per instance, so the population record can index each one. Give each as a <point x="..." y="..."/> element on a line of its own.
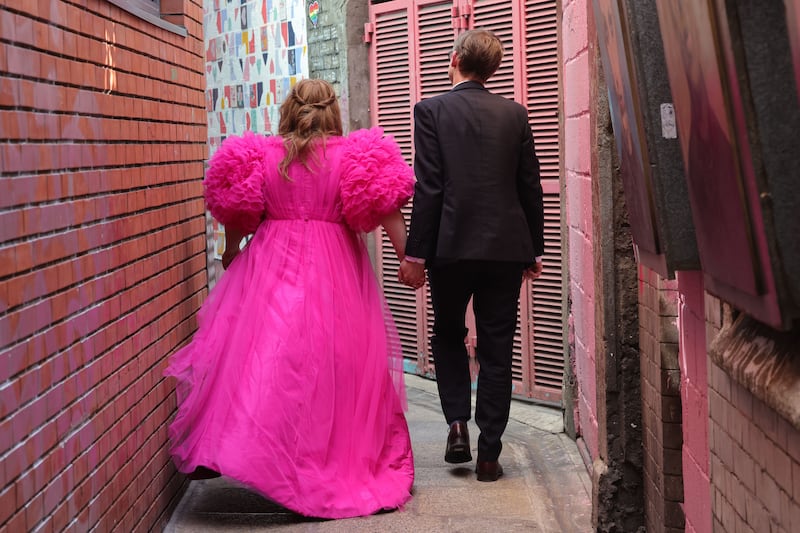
<point x="376" y="180"/>
<point x="292" y="384"/>
<point x="234" y="184"/>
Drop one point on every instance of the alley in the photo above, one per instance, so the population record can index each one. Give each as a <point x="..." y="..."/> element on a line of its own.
<point x="545" y="488"/>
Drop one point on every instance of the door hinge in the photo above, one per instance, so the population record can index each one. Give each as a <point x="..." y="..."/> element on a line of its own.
<point x="460" y="16"/>
<point x="369" y="29"/>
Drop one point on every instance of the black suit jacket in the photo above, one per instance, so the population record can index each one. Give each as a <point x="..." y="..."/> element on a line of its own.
<point x="478" y="195"/>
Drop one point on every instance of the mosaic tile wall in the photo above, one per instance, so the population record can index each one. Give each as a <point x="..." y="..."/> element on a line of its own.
<point x="255" y="51"/>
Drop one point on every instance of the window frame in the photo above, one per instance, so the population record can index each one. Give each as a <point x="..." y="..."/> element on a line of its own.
<point x="149" y="11"/>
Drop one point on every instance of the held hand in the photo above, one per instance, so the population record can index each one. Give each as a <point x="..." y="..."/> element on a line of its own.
<point x="411" y="274"/>
<point x="533" y="272"/>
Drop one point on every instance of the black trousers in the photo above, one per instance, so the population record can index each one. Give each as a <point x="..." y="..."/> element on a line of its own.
<point x="494" y="287"/>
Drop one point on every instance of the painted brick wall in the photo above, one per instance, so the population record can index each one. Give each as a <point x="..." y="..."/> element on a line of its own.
<point x="755" y="461"/>
<point x="102" y="257"/>
<point x="661" y="402"/>
<point x="577" y="173"/>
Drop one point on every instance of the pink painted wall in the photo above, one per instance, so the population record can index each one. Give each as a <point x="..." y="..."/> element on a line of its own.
<point x="694" y="399"/>
<point x="577" y="170"/>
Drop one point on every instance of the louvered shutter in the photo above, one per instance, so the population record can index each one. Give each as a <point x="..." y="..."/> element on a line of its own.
<point x="542" y="100"/>
<point x="529" y="74"/>
<point x="391" y="110"/>
<point x="498" y="16"/>
<point x="411" y="42"/>
<point x="435" y="41"/>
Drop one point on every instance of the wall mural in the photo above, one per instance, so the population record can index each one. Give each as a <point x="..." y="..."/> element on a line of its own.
<point x="256" y="50"/>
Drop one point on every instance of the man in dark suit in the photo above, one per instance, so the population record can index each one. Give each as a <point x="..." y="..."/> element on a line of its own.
<point x="477" y="225"/>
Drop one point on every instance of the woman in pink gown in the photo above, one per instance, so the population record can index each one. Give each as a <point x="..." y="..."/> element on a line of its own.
<point x="293" y="384"/>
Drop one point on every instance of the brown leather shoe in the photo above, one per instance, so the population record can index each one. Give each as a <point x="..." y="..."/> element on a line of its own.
<point x="457" y="450"/>
<point x="488" y="470"/>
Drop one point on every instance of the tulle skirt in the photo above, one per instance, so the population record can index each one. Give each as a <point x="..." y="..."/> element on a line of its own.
<point x="292" y="384"/>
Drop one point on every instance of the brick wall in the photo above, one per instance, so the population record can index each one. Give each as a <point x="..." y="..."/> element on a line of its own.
<point x="755" y="461"/>
<point x="326" y="56"/>
<point x="102" y="257"/>
<point x="578" y="176"/>
<point x="338" y="54"/>
<point x="661" y="402"/>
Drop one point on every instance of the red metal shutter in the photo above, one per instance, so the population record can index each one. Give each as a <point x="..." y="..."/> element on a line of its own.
<point x="499" y="17"/>
<point x="410" y="46"/>
<point x="391" y="110"/>
<point x="502" y="18"/>
<point x="435" y="41"/>
<point x="542" y="100"/>
<point x="529" y="75"/>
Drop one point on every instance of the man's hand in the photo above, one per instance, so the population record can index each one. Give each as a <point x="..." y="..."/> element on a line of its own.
<point x="533" y="272"/>
<point x="411" y="274"/>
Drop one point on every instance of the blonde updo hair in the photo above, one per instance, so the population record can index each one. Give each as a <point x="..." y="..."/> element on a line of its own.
<point x="310" y="113"/>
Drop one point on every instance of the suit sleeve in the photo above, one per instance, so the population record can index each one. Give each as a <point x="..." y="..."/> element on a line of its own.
<point x="529" y="188"/>
<point x="427" y="203"/>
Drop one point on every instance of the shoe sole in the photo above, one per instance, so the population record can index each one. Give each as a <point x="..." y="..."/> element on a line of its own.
<point x="489" y="477"/>
<point x="458" y="455"/>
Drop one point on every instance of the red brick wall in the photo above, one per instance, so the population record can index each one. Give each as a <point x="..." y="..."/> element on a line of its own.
<point x="661" y="402"/>
<point x="102" y="258"/>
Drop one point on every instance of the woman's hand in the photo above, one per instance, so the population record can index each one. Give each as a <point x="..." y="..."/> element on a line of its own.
<point x="229" y="255"/>
<point x="233" y="240"/>
<point x="411" y="274"/>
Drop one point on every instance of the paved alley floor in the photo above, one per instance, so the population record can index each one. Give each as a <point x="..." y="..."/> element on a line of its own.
<point x="545" y="487"/>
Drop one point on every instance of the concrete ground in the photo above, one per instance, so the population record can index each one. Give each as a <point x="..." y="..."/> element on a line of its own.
<point x="545" y="488"/>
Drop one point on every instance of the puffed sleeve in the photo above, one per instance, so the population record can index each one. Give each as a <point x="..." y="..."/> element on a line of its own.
<point x="376" y="180"/>
<point x="234" y="184"/>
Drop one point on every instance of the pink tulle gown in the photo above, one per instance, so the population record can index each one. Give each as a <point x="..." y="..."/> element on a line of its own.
<point x="292" y="384"/>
